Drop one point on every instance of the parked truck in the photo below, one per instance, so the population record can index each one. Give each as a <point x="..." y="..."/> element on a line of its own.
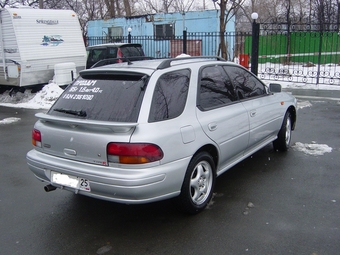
<point x="34" y="41"/>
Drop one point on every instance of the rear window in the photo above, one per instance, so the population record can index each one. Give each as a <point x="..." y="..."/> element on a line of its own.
<point x="132" y="51"/>
<point x="102" y="97"/>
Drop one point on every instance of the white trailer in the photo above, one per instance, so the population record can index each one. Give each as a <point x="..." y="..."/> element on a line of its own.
<point x="33" y="41"/>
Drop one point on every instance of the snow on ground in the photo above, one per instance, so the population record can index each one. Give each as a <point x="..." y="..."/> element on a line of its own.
<point x="303" y="104"/>
<point x="313" y="149"/>
<point x="40" y="100"/>
<point x="9" y="120"/>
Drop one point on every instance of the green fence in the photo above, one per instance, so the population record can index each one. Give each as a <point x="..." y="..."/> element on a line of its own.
<point x="299" y="47"/>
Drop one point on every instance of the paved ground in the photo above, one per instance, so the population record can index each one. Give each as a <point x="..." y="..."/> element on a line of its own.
<point x="271" y="203"/>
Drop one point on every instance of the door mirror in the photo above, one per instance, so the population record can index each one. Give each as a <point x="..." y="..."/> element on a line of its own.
<point x="275" y="87"/>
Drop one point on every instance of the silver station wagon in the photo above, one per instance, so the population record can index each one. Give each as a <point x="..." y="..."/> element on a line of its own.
<point x="144" y="131"/>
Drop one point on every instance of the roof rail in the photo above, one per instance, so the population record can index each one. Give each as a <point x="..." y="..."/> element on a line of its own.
<point x="167" y="62"/>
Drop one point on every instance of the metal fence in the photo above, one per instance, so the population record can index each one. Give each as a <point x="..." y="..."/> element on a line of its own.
<point x="286" y="52"/>
<point x="196" y="44"/>
<point x="302" y="52"/>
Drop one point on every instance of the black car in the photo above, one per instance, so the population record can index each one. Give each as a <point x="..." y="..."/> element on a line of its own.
<point x="101" y="52"/>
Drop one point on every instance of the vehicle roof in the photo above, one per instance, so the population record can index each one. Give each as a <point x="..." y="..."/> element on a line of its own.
<point x="149" y="66"/>
<point x="113" y="45"/>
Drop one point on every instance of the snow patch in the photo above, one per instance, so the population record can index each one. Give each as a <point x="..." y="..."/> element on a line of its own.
<point x="43" y="99"/>
<point x="303" y="104"/>
<point x="183" y="55"/>
<point x="312" y="149"/>
<point x="9" y="120"/>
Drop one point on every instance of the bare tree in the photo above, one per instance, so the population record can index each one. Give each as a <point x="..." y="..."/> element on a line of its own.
<point x="157" y="6"/>
<point x="326" y="11"/>
<point x="182" y="5"/>
<point x="127" y="8"/>
<point x="228" y="9"/>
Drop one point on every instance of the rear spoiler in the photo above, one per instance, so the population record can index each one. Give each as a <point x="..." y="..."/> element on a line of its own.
<point x="117" y="127"/>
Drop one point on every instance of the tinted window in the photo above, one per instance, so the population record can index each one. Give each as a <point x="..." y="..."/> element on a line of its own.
<point x="170" y="95"/>
<point x="106" y="98"/>
<point x="216" y="88"/>
<point x="98" y="54"/>
<point x="132" y="51"/>
<point x="112" y="52"/>
<point x="246" y="85"/>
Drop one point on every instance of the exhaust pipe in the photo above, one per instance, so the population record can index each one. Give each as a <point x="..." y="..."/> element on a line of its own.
<point x="49" y="188"/>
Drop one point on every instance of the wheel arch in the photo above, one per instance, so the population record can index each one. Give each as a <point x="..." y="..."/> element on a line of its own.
<point x="212" y="150"/>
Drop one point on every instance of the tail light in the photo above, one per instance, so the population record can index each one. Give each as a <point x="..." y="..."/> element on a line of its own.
<point x="133" y="153"/>
<point x="36" y="138"/>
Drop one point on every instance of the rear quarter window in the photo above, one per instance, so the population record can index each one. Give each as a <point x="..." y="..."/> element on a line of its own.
<point x="106" y="98"/>
<point x="170" y="95"/>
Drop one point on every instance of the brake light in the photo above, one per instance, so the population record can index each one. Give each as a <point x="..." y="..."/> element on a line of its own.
<point x="133" y="153"/>
<point x="36" y="138"/>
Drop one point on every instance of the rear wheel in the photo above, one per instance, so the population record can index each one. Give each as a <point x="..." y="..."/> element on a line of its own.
<point x="283" y="140"/>
<point x="198" y="185"/>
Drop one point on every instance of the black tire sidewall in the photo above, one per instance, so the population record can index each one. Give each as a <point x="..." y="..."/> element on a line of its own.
<point x="185" y="202"/>
<point x="280" y="143"/>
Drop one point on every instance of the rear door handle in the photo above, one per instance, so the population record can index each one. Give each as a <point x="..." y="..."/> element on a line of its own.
<point x="252" y="113"/>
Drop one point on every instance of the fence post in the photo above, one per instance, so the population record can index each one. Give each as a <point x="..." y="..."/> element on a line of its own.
<point x="255" y="44"/>
<point x="319" y="55"/>
<point x="184" y="35"/>
<point x="184" y="41"/>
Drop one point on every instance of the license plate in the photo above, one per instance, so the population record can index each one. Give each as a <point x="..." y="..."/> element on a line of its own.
<point x="70" y="181"/>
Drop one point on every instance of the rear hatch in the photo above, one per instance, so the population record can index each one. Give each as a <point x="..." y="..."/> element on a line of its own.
<point x="96" y="109"/>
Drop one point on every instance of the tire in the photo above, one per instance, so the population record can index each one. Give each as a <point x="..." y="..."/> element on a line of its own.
<point x="285" y="134"/>
<point x="198" y="185"/>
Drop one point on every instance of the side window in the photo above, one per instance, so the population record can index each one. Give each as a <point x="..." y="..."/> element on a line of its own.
<point x="98" y="54"/>
<point x="246" y="85"/>
<point x="216" y="88"/>
<point x="170" y="95"/>
<point x="112" y="52"/>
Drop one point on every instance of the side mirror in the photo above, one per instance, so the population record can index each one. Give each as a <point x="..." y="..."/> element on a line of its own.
<point x="275" y="88"/>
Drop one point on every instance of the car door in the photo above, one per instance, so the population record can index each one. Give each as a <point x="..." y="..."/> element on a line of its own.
<point x="222" y="117"/>
<point x="263" y="109"/>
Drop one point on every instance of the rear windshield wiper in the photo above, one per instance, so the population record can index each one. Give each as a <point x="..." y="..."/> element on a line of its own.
<point x="73" y="112"/>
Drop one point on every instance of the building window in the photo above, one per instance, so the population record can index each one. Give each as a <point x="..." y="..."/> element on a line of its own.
<point x="115" y="34"/>
<point x="164" y="31"/>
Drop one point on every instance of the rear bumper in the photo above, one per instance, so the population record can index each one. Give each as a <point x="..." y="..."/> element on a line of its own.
<point x="130" y="186"/>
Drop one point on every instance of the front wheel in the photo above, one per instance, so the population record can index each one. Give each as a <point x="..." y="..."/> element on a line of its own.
<point x="283" y="140"/>
<point x="198" y="184"/>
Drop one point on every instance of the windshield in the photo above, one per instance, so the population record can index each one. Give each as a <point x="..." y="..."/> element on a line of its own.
<point x="107" y="98"/>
